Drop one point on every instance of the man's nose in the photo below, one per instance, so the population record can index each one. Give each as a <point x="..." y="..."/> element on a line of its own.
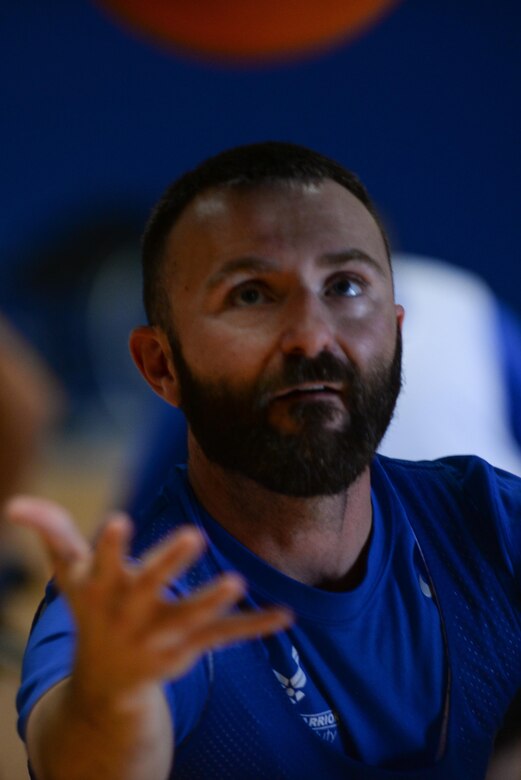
<point x="307" y="326"/>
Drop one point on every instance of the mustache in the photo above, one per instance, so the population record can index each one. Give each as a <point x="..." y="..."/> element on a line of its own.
<point x="298" y="369"/>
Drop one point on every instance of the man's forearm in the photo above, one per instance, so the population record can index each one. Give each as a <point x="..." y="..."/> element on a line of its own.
<point x="70" y="738"/>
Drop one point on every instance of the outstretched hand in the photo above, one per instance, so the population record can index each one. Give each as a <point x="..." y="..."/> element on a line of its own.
<point x="129" y="632"/>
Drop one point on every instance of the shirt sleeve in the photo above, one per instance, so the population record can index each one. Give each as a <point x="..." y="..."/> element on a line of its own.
<point x="49" y="654"/>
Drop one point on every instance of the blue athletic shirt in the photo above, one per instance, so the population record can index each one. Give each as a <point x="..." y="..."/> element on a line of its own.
<point x="364" y="682"/>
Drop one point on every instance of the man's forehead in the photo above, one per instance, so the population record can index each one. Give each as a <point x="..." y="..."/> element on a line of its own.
<point x="243" y="201"/>
<point x="243" y="217"/>
<point x="216" y="201"/>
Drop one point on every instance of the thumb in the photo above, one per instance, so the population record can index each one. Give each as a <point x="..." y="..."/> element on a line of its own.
<point x="61" y="538"/>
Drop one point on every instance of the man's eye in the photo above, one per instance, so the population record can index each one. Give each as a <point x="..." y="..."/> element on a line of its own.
<point x="345" y="288"/>
<point x="248" y="295"/>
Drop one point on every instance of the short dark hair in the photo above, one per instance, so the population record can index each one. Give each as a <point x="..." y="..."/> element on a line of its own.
<point x="243" y="166"/>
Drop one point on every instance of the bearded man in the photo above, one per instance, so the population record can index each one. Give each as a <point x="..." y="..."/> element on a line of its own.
<point x="380" y="597"/>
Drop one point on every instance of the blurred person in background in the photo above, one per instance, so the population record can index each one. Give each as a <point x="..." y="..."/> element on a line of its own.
<point x="29" y="402"/>
<point x="30" y="399"/>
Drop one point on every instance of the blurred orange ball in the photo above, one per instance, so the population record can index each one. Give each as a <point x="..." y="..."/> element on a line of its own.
<point x="249" y="29"/>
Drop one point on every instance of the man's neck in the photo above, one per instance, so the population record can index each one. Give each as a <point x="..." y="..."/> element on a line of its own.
<point x="320" y="541"/>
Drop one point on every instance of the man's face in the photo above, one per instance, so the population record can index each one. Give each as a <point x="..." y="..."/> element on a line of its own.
<point x="284" y="333"/>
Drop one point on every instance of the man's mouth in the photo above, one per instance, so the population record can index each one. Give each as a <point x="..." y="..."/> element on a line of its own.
<point x="310" y="390"/>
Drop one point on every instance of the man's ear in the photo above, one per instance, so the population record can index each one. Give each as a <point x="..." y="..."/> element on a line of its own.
<point x="151" y="352"/>
<point x="400" y="315"/>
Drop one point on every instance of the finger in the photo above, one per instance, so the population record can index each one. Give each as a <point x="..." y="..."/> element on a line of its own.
<point x="176" y="619"/>
<point x="109" y="560"/>
<point x="225" y="631"/>
<point x="240" y="627"/>
<point x="63" y="542"/>
<point x="165" y="563"/>
<point x="172" y="556"/>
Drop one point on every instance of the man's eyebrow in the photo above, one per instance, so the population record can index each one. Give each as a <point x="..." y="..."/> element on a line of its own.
<point x="244" y="264"/>
<point x="253" y="264"/>
<point x="333" y="259"/>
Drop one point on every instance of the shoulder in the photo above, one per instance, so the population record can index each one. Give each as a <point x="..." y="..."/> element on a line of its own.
<point x="463" y="494"/>
<point x="175" y="507"/>
<point x="456" y="473"/>
<point x="171" y="507"/>
<point x="465" y="481"/>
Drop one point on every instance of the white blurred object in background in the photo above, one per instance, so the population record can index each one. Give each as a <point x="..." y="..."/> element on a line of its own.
<point x="455" y="398"/>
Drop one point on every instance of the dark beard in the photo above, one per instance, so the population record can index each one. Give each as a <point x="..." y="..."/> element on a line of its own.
<point x="233" y="429"/>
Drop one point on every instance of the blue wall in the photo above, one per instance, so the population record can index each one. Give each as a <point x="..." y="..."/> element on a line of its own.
<point x="95" y="121"/>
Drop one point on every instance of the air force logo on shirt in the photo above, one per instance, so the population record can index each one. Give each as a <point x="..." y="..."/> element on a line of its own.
<point x="293" y="685"/>
<point x="323" y="723"/>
